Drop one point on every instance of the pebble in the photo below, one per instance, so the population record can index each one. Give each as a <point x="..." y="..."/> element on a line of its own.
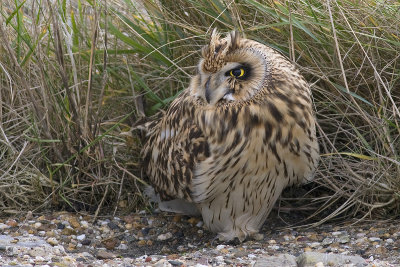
<point x="84" y="224"/>
<point x="66" y="239"/>
<point x="327" y="241"/>
<point x="81" y="237"/>
<point x="163" y="237"/>
<point x="343" y="239"/>
<point x="175" y="263"/>
<point x="102" y="254"/>
<point x="374" y="239"/>
<point x="52" y="241"/>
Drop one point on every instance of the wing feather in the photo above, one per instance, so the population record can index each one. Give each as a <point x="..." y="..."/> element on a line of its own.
<point x="173" y="147"/>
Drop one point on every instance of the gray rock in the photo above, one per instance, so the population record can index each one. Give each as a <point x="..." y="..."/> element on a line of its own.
<point x="309" y="259"/>
<point x="102" y="254"/>
<point x="282" y="260"/>
<point x="327" y="241"/>
<point x="343" y="239"/>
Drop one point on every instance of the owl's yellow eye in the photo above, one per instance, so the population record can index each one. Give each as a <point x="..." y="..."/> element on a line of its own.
<point x="237" y="73"/>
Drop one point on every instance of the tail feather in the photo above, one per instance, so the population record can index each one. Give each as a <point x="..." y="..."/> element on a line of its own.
<point x="176" y="205"/>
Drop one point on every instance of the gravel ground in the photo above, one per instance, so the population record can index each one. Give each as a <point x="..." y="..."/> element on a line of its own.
<point x="68" y="239"/>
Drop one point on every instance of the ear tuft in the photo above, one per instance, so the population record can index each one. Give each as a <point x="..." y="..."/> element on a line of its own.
<point x="214" y="53"/>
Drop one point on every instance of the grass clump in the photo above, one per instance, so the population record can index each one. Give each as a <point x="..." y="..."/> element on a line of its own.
<point x="75" y="75"/>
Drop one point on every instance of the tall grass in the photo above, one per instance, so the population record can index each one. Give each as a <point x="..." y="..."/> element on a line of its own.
<point x="76" y="75"/>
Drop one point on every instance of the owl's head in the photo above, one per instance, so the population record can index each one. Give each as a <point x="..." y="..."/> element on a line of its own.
<point x="232" y="69"/>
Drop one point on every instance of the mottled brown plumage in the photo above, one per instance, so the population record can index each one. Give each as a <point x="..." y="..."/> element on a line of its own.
<point x="235" y="138"/>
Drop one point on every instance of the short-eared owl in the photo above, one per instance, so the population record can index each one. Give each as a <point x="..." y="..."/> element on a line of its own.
<point x="235" y="138"/>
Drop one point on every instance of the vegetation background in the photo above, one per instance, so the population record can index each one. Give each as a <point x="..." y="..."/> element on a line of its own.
<point x="76" y="75"/>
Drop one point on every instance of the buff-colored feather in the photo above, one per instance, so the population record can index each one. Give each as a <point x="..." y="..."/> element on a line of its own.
<point x="229" y="144"/>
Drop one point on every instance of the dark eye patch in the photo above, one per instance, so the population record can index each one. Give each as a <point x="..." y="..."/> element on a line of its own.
<point x="241" y="72"/>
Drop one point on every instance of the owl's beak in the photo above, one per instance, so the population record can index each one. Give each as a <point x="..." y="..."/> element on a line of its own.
<point x="214" y="92"/>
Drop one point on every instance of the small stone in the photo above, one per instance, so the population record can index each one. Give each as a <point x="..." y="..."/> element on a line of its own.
<point x="37" y="225"/>
<point x="314" y="237"/>
<point x="141" y="243"/>
<point x="219" y="247"/>
<point x="163" y="237"/>
<point x="4" y="226"/>
<point x="241" y="254"/>
<point x="37" y="251"/>
<point x="71" y="247"/>
<point x="149" y="243"/>
<point x="389" y="241"/>
<point x="361" y="240"/>
<point x="12" y="223"/>
<point x="122" y="247"/>
<point x="177" y="218"/>
<point x="200" y="224"/>
<point x="42" y="233"/>
<point x="29" y="215"/>
<point x="360" y="235"/>
<point x="193" y="220"/>
<point x="60" y="226"/>
<point x="148" y="259"/>
<point x="145" y="231"/>
<point x="84" y="224"/>
<point x="278" y="260"/>
<point x="374" y="239"/>
<point x="312" y="258"/>
<point x="173" y="256"/>
<point x="307" y="249"/>
<point x="380" y="250"/>
<point x="86" y="242"/>
<point x="128" y="226"/>
<point x="74" y="222"/>
<point x="336" y="233"/>
<point x="343" y="239"/>
<point x="81" y="237"/>
<point x="68" y="231"/>
<point x="50" y="233"/>
<point x="103" y="255"/>
<point x="110" y="243"/>
<point x="175" y="263"/>
<point x="302" y="238"/>
<point x="113" y="226"/>
<point x="315" y="244"/>
<point x="161" y="263"/>
<point x="287" y="237"/>
<point x="327" y="241"/>
<point x="52" y="241"/>
<point x="165" y="250"/>
<point x="224" y="251"/>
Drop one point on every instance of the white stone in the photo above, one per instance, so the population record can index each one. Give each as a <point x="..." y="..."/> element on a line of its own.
<point x="374" y="239"/>
<point x="81" y="237"/>
<point x="84" y="224"/>
<point x="336" y="233"/>
<point x="122" y="247"/>
<point x="163" y="237"/>
<point x="219" y="247"/>
<point x="389" y="241"/>
<point x="199" y="224"/>
<point x="3" y="226"/>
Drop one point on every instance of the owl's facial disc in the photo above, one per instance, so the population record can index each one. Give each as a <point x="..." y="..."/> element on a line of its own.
<point x="220" y="85"/>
